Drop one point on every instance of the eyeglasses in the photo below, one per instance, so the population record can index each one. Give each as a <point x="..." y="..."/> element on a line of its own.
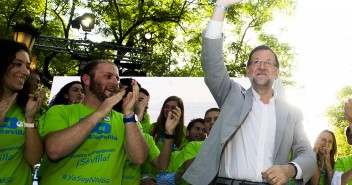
<point x="267" y="63"/>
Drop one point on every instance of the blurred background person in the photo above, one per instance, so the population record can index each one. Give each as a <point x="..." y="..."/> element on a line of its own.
<point x="343" y="164"/>
<point x="325" y="148"/>
<point x="211" y="115"/>
<point x="196" y="130"/>
<point x="69" y="94"/>
<point x="158" y="128"/>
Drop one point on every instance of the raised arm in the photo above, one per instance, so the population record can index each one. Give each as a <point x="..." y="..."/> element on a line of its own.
<point x="220" y="6"/>
<point x="136" y="147"/>
<point x="33" y="146"/>
<point x="162" y="161"/>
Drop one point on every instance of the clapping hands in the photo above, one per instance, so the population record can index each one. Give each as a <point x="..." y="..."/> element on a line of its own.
<point x="172" y="120"/>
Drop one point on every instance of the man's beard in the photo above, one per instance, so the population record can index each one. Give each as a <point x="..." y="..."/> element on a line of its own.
<point x="265" y="85"/>
<point x="97" y="89"/>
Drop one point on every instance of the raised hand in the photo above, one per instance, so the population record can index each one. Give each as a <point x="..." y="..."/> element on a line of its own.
<point x="228" y="3"/>
<point x="317" y="145"/>
<point x="172" y="120"/>
<point x="34" y="104"/>
<point x="5" y="106"/>
<point x="348" y="110"/>
<point x="129" y="102"/>
<point x="140" y="108"/>
<point x="109" y="102"/>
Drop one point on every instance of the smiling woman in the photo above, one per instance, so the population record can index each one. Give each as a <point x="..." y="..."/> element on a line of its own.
<point x="23" y="147"/>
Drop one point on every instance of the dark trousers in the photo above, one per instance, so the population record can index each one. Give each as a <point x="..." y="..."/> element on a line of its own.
<point x="228" y="181"/>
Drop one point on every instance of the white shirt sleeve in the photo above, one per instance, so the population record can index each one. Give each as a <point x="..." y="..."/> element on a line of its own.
<point x="299" y="171"/>
<point x="336" y="179"/>
<point x="214" y="30"/>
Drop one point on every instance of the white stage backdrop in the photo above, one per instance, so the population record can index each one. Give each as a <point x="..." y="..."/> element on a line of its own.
<point x="192" y="90"/>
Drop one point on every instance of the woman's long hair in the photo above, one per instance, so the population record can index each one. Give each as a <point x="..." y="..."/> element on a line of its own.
<point x="159" y="128"/>
<point x="59" y="98"/>
<point x="9" y="49"/>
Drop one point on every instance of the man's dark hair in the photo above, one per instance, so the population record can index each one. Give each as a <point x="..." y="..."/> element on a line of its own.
<point x="263" y="47"/>
<point x="90" y="68"/>
<point x="144" y="91"/>
<point x="128" y="81"/>
<point x="193" y="121"/>
<point x="211" y="110"/>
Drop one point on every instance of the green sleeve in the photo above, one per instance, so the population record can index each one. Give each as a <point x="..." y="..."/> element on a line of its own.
<point x="343" y="163"/>
<point x="191" y="150"/>
<point x="55" y="119"/>
<point x="153" y="149"/>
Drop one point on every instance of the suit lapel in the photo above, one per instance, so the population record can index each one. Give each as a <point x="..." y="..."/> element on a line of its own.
<point x="281" y="116"/>
<point x="247" y="104"/>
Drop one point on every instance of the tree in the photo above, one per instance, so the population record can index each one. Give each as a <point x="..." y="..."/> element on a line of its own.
<point x="338" y="121"/>
<point x="175" y="27"/>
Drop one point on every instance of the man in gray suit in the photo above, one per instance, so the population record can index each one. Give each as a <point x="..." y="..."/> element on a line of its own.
<point x="258" y="138"/>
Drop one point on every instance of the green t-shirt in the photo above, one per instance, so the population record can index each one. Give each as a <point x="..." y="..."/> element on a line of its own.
<point x="159" y="144"/>
<point x="13" y="167"/>
<point x="179" y="157"/>
<point x="99" y="160"/>
<point x="343" y="164"/>
<point x="191" y="150"/>
<point x="184" y="142"/>
<point x="146" y="125"/>
<point x="132" y="172"/>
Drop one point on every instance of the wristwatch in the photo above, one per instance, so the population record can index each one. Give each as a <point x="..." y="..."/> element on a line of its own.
<point x="132" y="117"/>
<point x="31" y="125"/>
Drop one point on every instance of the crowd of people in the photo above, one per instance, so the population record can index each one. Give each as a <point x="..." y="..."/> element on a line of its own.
<point x="98" y="130"/>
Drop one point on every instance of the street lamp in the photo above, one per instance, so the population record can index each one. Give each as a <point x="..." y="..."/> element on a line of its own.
<point x="86" y="21"/>
<point x="25" y="32"/>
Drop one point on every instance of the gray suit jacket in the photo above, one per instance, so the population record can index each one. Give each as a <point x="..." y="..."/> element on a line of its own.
<point x="235" y="104"/>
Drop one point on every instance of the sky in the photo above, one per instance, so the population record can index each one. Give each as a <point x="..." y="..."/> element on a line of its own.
<point x="320" y="32"/>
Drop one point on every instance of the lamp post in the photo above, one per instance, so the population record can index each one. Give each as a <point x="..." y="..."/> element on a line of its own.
<point x="25" y="32"/>
<point x="86" y="22"/>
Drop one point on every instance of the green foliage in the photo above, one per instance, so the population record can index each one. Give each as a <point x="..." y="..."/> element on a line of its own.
<point x="337" y="120"/>
<point x="175" y="25"/>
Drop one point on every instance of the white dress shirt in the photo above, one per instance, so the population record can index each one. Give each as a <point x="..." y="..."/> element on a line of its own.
<point x="251" y="151"/>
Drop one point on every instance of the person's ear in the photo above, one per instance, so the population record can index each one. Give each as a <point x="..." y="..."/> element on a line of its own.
<point x="86" y="79"/>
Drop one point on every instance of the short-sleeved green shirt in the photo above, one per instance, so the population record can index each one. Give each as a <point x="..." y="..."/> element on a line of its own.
<point x="146" y="125"/>
<point x="98" y="160"/>
<point x="132" y="172"/>
<point x="14" y="169"/>
<point x="343" y="164"/>
<point x="191" y="150"/>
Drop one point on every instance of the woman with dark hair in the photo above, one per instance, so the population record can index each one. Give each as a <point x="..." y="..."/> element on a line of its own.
<point x="21" y="146"/>
<point x="71" y="93"/>
<point x="158" y="130"/>
<point x="325" y="148"/>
